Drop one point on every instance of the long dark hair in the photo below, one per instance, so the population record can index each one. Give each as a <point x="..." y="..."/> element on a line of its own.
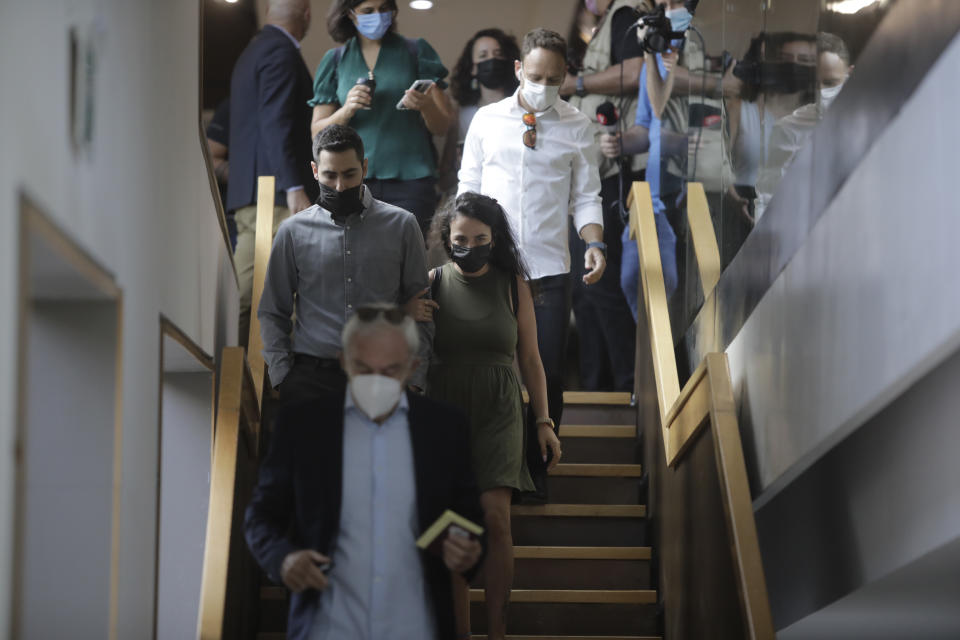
<point x="462" y="77"/>
<point x="341" y="27"/>
<point x="504" y="255"/>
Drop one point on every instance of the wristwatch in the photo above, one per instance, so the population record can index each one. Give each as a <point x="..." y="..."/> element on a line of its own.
<point x="598" y="245"/>
<point x="581" y="91"/>
<point x="546" y="421"/>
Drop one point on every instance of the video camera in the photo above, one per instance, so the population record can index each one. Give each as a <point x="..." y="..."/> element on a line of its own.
<point x="660" y="32"/>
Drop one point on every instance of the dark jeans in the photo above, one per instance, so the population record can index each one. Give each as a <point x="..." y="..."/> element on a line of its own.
<point x="605" y="326"/>
<point x="419" y="197"/>
<point x="551" y="305"/>
<point x="311" y="377"/>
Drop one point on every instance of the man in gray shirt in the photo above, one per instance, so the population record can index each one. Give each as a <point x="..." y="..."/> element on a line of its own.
<point x="347" y="251"/>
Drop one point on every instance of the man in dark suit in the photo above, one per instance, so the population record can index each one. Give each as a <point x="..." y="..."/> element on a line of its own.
<point x="269" y="132"/>
<point x="351" y="482"/>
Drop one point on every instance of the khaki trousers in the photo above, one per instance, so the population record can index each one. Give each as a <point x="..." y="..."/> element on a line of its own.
<point x="243" y="255"/>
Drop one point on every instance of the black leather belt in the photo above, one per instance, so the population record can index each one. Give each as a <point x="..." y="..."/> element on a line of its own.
<point x="314" y="361"/>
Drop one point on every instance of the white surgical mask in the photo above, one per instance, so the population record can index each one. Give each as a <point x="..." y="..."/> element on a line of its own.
<point x="827" y="95"/>
<point x="540" y="97"/>
<point x="375" y="394"/>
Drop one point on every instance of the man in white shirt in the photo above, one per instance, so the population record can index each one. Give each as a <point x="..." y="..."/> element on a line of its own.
<point x="537" y="156"/>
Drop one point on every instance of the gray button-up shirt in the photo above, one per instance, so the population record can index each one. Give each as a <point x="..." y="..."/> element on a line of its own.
<point x="330" y="270"/>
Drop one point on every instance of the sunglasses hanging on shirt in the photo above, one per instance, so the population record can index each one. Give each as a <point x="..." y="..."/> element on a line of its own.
<point x="530" y="135"/>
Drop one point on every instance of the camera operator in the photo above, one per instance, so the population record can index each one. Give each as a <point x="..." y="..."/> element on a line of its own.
<point x="608" y="74"/>
<point x="656" y="80"/>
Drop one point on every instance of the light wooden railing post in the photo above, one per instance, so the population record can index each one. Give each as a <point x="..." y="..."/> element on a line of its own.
<point x="263" y="244"/>
<point x="738" y="507"/>
<point x="704" y="237"/>
<point x="643" y="229"/>
<point x="216" y="555"/>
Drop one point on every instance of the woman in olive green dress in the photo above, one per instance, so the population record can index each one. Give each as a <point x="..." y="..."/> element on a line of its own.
<point x="483" y="311"/>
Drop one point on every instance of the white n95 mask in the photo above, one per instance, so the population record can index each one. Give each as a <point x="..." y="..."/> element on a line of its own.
<point x="375" y="395"/>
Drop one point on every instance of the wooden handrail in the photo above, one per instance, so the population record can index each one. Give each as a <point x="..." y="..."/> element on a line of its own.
<point x="705" y="402"/>
<point x="643" y="229"/>
<point x="703" y="236"/>
<point x="261" y="256"/>
<point x="237" y="416"/>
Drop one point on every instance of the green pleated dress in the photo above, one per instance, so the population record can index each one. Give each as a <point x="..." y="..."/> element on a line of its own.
<point x="472" y="368"/>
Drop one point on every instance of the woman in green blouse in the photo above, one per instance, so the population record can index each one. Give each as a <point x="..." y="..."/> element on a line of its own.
<point x="402" y="160"/>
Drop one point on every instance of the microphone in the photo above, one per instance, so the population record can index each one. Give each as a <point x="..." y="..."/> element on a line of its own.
<point x="608" y="117"/>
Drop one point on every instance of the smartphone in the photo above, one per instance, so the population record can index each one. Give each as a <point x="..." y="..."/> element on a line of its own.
<point x="418" y="85"/>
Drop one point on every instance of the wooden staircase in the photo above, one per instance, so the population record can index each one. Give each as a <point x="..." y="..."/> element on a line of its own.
<point x="582" y="571"/>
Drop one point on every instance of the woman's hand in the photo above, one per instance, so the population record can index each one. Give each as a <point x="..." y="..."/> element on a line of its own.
<point x="416" y="101"/>
<point x="359" y="97"/>
<point x="420" y="308"/>
<point x="548" y="438"/>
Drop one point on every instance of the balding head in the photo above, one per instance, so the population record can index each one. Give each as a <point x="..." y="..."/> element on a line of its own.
<point x="292" y="15"/>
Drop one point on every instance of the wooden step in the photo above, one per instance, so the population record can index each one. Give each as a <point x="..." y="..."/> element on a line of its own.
<point x="552" y="637"/>
<point x="579" y="568"/>
<point x="562" y="619"/>
<point x="598" y="431"/>
<point x="601" y="443"/>
<point x="598" y="470"/>
<point x="283" y="636"/>
<point x="582" y="525"/>
<point x="615" y="398"/>
<point x="582" y="553"/>
<point x="599" y="414"/>
<point x="576" y="596"/>
<point x="581" y="510"/>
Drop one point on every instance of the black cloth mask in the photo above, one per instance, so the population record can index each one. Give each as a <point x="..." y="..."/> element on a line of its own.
<point x="786" y="77"/>
<point x="470" y="259"/>
<point x="341" y="204"/>
<point x="494" y="73"/>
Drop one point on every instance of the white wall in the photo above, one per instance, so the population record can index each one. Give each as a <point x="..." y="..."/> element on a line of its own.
<point x="138" y="202"/>
<point x="187" y="449"/>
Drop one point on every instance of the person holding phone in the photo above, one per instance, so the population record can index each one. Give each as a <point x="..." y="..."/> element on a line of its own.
<point x="390" y="90"/>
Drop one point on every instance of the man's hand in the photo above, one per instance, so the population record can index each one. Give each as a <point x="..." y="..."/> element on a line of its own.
<point x="297" y="201"/>
<point x="569" y="85"/>
<point x="301" y="570"/>
<point x="595" y="263"/>
<point x="415" y="100"/>
<point x="547" y="438"/>
<point x="460" y="554"/>
<point x="730" y="85"/>
<point x="610" y="145"/>
<point x="670" y="57"/>
<point x="420" y="308"/>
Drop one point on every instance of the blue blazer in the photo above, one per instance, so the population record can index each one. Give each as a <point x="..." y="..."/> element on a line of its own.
<point x="300" y="484"/>
<point x="270" y="120"/>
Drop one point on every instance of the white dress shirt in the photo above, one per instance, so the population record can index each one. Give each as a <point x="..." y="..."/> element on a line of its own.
<point x="377" y="588"/>
<point x="538" y="188"/>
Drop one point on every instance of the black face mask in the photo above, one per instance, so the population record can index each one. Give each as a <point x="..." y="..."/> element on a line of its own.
<point x="786" y="77"/>
<point x="472" y="259"/>
<point x="494" y="73"/>
<point x="341" y="204"/>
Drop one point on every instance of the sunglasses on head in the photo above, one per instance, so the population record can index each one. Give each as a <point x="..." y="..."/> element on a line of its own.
<point x="530" y="135"/>
<point x="393" y="315"/>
